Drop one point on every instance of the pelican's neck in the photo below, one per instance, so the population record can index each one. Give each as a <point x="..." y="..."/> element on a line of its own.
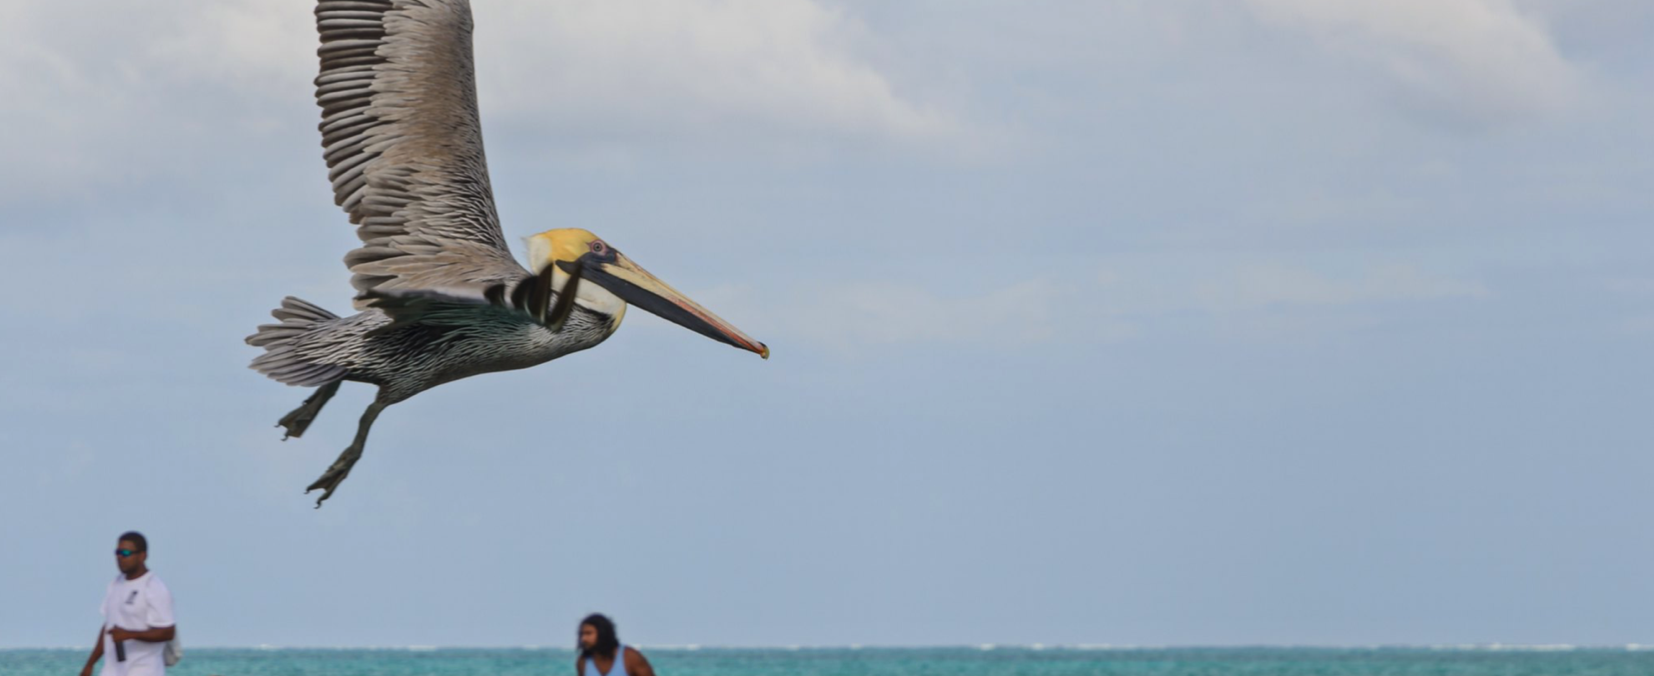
<point x="593" y="297"/>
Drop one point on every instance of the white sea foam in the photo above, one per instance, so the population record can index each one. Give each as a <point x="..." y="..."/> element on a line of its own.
<point x="1507" y="647"/>
<point x="1555" y="647"/>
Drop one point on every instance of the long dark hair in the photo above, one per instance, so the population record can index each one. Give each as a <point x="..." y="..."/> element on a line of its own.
<point x="607" y="641"/>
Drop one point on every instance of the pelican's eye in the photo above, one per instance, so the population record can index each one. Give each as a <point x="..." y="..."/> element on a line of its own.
<point x="598" y="247"/>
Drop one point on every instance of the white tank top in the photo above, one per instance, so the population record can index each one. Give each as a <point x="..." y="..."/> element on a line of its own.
<point x="618" y="669"/>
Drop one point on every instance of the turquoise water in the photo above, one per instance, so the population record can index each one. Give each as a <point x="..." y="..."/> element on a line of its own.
<point x="889" y="662"/>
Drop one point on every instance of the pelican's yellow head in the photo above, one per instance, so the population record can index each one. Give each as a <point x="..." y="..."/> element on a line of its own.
<point x="610" y="280"/>
<point x="564" y="244"/>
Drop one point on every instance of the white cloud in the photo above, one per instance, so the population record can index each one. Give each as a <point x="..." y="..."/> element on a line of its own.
<point x="50" y="99"/>
<point x="665" y="66"/>
<point x="676" y="66"/>
<point x="257" y="46"/>
<point x="137" y="90"/>
<point x="1477" y="59"/>
<point x="142" y="85"/>
<point x="147" y="88"/>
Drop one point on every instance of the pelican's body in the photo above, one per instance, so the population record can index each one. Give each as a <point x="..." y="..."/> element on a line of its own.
<point x="406" y="360"/>
<point x="441" y="296"/>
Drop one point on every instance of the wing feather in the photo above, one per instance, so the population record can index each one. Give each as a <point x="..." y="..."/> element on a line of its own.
<point x="403" y="144"/>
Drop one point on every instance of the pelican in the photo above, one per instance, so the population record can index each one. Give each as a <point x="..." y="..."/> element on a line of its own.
<point x="439" y="295"/>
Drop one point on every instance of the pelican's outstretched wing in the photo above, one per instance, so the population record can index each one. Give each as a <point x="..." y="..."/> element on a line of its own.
<point x="404" y="151"/>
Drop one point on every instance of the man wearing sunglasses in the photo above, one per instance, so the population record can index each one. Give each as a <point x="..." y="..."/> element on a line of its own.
<point x="137" y="616"/>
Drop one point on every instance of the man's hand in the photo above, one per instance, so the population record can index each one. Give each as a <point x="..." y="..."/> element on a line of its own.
<point x="97" y="654"/>
<point x="150" y="635"/>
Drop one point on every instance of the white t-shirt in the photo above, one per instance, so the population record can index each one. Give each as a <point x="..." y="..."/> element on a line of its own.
<point x="136" y="605"/>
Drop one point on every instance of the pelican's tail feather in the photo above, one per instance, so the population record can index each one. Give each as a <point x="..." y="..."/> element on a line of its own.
<point x="282" y="359"/>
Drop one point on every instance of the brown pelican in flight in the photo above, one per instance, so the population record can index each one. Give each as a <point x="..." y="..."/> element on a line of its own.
<point x="440" y="295"/>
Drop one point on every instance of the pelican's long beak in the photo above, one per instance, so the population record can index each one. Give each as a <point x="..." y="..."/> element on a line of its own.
<point x="637" y="287"/>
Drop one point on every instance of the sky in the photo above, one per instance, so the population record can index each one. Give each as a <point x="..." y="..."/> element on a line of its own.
<point x="1123" y="322"/>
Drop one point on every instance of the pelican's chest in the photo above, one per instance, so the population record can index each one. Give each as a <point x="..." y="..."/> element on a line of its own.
<point x="584" y="329"/>
<point x="420" y="357"/>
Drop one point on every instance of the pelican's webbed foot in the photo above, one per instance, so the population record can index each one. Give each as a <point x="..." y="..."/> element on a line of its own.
<point x="299" y="419"/>
<point x="336" y="474"/>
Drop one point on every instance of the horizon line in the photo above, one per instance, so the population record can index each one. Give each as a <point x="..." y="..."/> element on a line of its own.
<point x="1100" y="647"/>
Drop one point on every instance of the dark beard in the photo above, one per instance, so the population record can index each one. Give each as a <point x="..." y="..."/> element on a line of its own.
<point x="589" y="653"/>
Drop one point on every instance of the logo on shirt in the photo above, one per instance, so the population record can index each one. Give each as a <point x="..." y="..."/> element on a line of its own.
<point x="131" y="597"/>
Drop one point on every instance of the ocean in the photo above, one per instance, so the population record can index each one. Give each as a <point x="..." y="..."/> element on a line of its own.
<point x="966" y="661"/>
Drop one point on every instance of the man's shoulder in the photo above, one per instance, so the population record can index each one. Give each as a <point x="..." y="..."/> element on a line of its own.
<point x="149" y="584"/>
<point x="119" y="584"/>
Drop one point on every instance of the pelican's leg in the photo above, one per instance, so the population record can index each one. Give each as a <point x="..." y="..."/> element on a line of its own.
<point x="300" y="418"/>
<point x="341" y="467"/>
